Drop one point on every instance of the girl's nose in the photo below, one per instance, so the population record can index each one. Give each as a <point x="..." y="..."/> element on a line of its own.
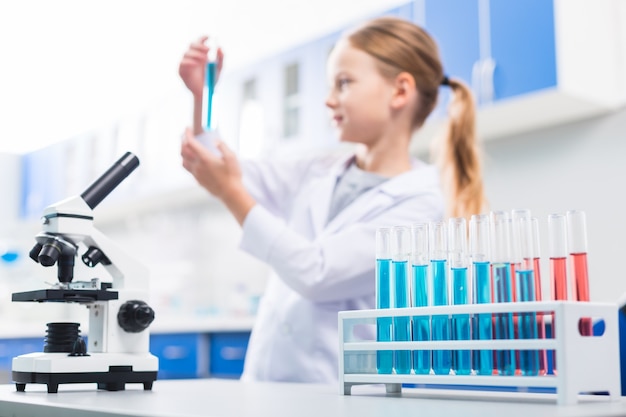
<point x="330" y="102"/>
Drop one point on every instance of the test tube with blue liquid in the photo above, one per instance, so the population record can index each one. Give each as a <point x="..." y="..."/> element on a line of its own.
<point x="400" y="251"/>
<point x="502" y="287"/>
<point x="438" y="245"/>
<point x="480" y="253"/>
<point x="419" y="295"/>
<point x="210" y="82"/>
<point x="525" y="283"/>
<point x="384" y="358"/>
<point x="458" y="258"/>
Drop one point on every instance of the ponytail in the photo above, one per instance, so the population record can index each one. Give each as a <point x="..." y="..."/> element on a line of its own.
<point x="458" y="155"/>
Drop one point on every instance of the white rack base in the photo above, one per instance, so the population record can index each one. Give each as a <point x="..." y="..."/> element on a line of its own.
<point x="586" y="364"/>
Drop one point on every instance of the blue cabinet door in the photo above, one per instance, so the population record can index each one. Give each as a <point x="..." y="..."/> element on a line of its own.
<point x="227" y="354"/>
<point x="454" y="26"/>
<point x="523" y="46"/>
<point x="178" y="354"/>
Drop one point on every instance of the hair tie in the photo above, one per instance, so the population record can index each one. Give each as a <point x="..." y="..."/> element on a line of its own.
<point x="445" y="80"/>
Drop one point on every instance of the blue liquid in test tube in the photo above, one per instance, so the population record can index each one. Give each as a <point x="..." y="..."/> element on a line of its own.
<point x="419" y="287"/>
<point x="523" y="255"/>
<point x="482" y="288"/>
<point x="462" y="363"/>
<point x="504" y="321"/>
<point x="400" y="250"/>
<point x="480" y="253"/>
<point x="384" y="358"/>
<point x="529" y="359"/>
<point x="501" y="253"/>
<point x="211" y="74"/>
<point x="439" y="278"/>
<point x="458" y="259"/>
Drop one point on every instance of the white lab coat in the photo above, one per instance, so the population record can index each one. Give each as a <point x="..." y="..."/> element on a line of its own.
<point x="318" y="269"/>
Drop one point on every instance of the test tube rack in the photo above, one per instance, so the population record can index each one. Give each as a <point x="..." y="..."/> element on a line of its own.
<point x="585" y="364"/>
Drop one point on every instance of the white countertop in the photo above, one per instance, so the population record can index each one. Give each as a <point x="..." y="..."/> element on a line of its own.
<point x="225" y="398"/>
<point x="174" y="324"/>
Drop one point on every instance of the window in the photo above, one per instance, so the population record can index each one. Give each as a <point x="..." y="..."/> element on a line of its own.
<point x="291" y="107"/>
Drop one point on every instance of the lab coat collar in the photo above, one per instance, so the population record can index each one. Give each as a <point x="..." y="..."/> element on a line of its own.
<point x="422" y="176"/>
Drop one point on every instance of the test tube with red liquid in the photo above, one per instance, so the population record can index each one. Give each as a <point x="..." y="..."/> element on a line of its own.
<point x="577" y="247"/>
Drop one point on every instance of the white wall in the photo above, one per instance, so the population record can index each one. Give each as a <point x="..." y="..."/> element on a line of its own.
<point x="579" y="165"/>
<point x="10" y="186"/>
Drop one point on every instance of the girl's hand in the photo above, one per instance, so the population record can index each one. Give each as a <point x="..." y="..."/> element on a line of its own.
<point x="192" y="66"/>
<point x="221" y="176"/>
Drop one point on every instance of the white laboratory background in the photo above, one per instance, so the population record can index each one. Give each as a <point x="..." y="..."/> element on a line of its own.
<point x="189" y="241"/>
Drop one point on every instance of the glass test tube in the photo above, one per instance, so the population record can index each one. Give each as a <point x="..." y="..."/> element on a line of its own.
<point x="384" y="358"/>
<point x="557" y="234"/>
<point x="458" y="259"/>
<point x="400" y="250"/>
<point x="419" y="288"/>
<point x="525" y="283"/>
<point x="577" y="246"/>
<point x="210" y="81"/>
<point x="502" y="286"/>
<point x="480" y="255"/>
<point x="557" y="238"/>
<point x="516" y="215"/>
<point x="438" y="245"/>
<point x="541" y="328"/>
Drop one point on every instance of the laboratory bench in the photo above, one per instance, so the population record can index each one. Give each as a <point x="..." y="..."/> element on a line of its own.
<point x="186" y="348"/>
<point x="224" y="398"/>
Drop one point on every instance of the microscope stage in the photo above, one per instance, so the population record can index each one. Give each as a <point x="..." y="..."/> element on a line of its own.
<point x="61" y="295"/>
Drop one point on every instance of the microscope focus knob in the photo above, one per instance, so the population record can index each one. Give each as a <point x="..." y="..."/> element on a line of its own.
<point x="135" y="316"/>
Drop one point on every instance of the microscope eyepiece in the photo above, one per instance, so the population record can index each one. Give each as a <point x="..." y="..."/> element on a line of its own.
<point x="97" y="191"/>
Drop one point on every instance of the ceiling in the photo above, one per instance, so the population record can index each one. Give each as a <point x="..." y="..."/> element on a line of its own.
<point x="69" y="66"/>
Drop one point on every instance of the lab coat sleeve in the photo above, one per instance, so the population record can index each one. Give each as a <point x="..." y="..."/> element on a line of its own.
<point x="335" y="266"/>
<point x="274" y="183"/>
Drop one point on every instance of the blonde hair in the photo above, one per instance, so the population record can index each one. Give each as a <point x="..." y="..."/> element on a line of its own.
<point x="401" y="46"/>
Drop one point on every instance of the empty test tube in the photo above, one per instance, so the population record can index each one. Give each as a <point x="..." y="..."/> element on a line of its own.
<point x="502" y="286"/>
<point x="400" y="250"/>
<point x="384" y="358"/>
<point x="458" y="259"/>
<point x="438" y="245"/>
<point x="525" y="282"/>
<point x="480" y="253"/>
<point x="419" y="295"/>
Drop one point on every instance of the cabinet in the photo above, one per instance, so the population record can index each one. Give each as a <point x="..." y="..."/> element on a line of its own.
<point x="531" y="63"/>
<point x="227" y="352"/>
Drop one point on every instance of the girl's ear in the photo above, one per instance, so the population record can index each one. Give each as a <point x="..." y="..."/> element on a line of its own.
<point x="404" y="90"/>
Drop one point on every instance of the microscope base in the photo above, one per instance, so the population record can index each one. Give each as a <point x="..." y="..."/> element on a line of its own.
<point x="110" y="371"/>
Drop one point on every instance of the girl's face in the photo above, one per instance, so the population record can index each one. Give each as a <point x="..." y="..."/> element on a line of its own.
<point x="359" y="97"/>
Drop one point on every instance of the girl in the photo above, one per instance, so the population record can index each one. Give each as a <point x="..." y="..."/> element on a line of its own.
<point x="313" y="220"/>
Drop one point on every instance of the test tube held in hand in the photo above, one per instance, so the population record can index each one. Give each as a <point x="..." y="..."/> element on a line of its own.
<point x="438" y="245"/>
<point x="458" y="259"/>
<point x="480" y="252"/>
<point x="400" y="250"/>
<point x="384" y="358"/>
<point x="420" y="295"/>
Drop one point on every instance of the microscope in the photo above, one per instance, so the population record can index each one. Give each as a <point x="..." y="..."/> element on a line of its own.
<point x="117" y="348"/>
